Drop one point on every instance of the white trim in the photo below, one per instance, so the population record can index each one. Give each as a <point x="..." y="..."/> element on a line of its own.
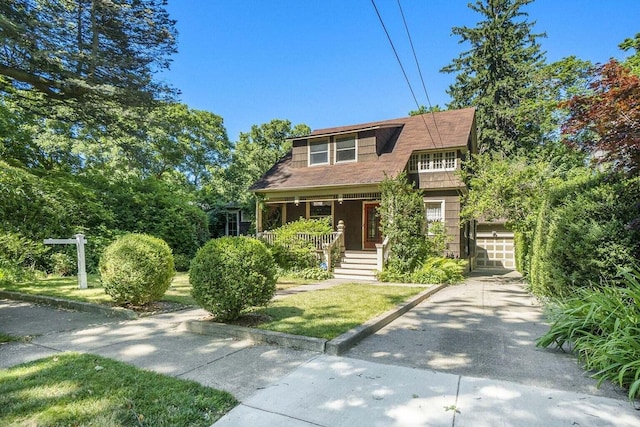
<point x="317" y="141"/>
<point x="363" y="221"/>
<point x="435" y="201"/>
<point x="346" y="137"/>
<point x="324" y="203"/>
<point x="423" y="161"/>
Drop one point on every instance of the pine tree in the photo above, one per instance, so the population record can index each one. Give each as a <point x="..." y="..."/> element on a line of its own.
<point x="495" y="75"/>
<point x="84" y="58"/>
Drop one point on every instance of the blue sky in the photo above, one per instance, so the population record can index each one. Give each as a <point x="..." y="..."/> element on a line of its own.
<point x="328" y="62"/>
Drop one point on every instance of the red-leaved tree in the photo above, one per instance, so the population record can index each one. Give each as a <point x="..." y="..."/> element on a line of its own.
<point x="606" y="122"/>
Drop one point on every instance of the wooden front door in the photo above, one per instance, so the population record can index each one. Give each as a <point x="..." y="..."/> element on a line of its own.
<point x="371" y="220"/>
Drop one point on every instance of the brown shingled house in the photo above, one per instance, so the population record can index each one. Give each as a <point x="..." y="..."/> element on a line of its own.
<point x="336" y="172"/>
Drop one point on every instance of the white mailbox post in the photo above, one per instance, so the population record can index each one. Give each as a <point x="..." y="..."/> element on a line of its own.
<point x="79" y="241"/>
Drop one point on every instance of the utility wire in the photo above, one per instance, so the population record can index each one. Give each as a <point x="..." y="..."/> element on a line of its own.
<point x="400" y="63"/>
<point x="409" y="83"/>
<point x="424" y="87"/>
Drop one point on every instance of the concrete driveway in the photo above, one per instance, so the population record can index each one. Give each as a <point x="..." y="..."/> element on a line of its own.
<point x="485" y="328"/>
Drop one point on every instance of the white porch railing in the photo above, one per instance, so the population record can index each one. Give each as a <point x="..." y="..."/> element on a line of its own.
<point x="382" y="253"/>
<point x="325" y="244"/>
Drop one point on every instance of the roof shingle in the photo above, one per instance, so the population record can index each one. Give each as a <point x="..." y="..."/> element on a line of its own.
<point x="446" y="129"/>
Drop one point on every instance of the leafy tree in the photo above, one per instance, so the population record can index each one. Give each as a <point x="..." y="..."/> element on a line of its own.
<point x="606" y="122"/>
<point x="253" y="155"/>
<point x="403" y="222"/>
<point x="193" y="142"/>
<point x="84" y="56"/>
<point x="633" y="61"/>
<point x="494" y="75"/>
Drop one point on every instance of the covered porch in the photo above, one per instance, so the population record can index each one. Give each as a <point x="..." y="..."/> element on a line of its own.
<point x="356" y="209"/>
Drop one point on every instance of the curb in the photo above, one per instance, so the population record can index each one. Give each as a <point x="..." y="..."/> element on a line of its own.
<point x="344" y="342"/>
<point x="123" y="313"/>
<point x="298" y="342"/>
<point x="333" y="347"/>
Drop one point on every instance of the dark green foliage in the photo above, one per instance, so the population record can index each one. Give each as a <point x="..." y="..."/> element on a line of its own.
<point x="182" y="262"/>
<point x="586" y="229"/>
<point x="314" y="273"/>
<point x="495" y="74"/>
<point x="136" y="269"/>
<point x="521" y="251"/>
<point x="83" y="59"/>
<point x="602" y="325"/>
<point x="437" y="270"/>
<point x="403" y="222"/>
<point x="293" y="253"/>
<point x="63" y="264"/>
<point x="231" y="274"/>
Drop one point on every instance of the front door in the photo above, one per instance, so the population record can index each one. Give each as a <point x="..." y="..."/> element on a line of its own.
<point x="371" y="220"/>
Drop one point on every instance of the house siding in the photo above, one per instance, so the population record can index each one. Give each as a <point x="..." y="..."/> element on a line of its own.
<point x="457" y="244"/>
<point x="351" y="213"/>
<point x="294" y="212"/>
<point x="299" y="154"/>
<point x="367" y="150"/>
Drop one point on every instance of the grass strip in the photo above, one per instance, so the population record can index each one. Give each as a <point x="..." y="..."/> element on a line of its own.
<point x="67" y="287"/>
<point x="328" y="313"/>
<point x="82" y="390"/>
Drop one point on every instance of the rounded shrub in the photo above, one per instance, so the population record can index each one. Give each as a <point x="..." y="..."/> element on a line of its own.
<point x="136" y="269"/>
<point x="231" y="274"/>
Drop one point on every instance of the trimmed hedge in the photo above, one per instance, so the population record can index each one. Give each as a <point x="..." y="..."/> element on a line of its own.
<point x="136" y="269"/>
<point x="231" y="274"/>
<point x="585" y="232"/>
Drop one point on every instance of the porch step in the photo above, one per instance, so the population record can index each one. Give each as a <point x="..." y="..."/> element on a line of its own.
<point x="366" y="255"/>
<point x="357" y="265"/>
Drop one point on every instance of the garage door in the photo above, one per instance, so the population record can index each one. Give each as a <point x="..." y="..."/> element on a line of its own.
<point x="495" y="250"/>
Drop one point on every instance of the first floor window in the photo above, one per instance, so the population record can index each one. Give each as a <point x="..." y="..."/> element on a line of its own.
<point x="434" y="211"/>
<point x="319" y="210"/>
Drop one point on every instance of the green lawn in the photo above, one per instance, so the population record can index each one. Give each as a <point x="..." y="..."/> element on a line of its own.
<point x="67" y="287"/>
<point x="81" y="390"/>
<point x="330" y="312"/>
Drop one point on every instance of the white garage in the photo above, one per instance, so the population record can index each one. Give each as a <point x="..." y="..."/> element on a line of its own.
<point x="494" y="247"/>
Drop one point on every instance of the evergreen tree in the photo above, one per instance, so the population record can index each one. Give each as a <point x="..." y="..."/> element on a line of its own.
<point x="495" y="75"/>
<point x="84" y="57"/>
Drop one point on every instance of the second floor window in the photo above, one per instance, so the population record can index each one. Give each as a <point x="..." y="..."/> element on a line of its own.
<point x="433" y="162"/>
<point x="319" y="153"/>
<point x="346" y="149"/>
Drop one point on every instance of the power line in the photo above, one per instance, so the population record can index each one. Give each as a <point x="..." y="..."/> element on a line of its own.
<point x="424" y="86"/>
<point x="409" y="83"/>
<point x="400" y="63"/>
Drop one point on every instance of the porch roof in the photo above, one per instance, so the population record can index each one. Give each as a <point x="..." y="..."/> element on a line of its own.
<point x="446" y="129"/>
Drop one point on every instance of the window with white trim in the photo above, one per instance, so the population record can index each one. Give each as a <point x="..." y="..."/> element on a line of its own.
<point x="433" y="161"/>
<point x="450" y="160"/>
<point x="319" y="152"/>
<point x="346" y="149"/>
<point x="434" y="212"/>
<point x="320" y="209"/>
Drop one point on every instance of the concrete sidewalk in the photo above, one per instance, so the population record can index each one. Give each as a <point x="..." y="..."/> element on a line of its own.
<point x="285" y="387"/>
<point x="336" y="391"/>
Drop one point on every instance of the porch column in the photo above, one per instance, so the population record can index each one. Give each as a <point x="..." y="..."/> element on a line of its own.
<point x="258" y="217"/>
<point x="341" y="230"/>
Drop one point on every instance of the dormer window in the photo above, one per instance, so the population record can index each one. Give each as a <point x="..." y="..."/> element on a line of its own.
<point x="346" y="149"/>
<point x="433" y="162"/>
<point x="319" y="152"/>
